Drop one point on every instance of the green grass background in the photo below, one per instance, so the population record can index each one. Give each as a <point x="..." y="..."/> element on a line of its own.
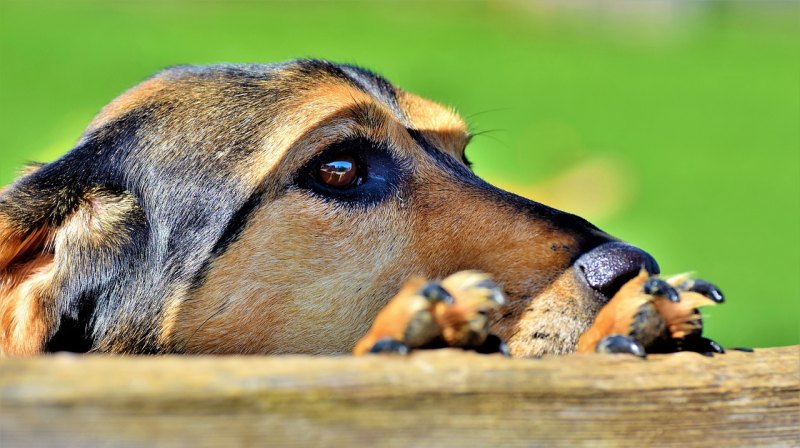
<point x="697" y="102"/>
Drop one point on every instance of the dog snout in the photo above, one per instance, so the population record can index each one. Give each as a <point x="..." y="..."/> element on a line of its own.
<point x="607" y="267"/>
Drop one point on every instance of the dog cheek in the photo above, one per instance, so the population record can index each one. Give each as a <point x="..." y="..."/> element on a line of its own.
<point x="306" y="276"/>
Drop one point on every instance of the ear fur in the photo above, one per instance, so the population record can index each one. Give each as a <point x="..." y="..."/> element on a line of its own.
<point x="25" y="266"/>
<point x="26" y="270"/>
<point x="38" y="255"/>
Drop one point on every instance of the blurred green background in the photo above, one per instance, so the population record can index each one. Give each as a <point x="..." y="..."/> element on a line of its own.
<point x="673" y="125"/>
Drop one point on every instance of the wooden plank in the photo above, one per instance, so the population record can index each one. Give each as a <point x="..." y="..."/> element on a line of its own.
<point x="438" y="398"/>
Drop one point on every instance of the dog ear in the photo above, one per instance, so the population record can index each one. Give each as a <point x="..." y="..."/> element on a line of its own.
<point x="59" y="239"/>
<point x="26" y="266"/>
<point x="50" y="232"/>
<point x="26" y="270"/>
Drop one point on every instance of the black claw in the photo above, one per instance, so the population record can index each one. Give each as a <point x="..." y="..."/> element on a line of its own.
<point x="496" y="295"/>
<point x="434" y="292"/>
<point x="705" y="288"/>
<point x="493" y="344"/>
<point x="743" y="349"/>
<point x="700" y="345"/>
<point x="620" y="344"/>
<point x="658" y="287"/>
<point x="389" y="345"/>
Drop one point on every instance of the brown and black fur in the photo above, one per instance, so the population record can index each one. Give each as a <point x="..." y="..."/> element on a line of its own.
<point x="187" y="220"/>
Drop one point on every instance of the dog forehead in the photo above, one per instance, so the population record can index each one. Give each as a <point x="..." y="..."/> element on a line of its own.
<point x="192" y="85"/>
<point x="293" y="84"/>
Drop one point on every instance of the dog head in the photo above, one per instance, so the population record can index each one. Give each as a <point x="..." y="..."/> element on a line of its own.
<point x="276" y="209"/>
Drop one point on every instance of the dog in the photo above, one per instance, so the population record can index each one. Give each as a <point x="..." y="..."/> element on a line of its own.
<point x="272" y="209"/>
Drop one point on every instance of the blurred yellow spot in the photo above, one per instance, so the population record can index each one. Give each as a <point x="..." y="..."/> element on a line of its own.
<point x="597" y="189"/>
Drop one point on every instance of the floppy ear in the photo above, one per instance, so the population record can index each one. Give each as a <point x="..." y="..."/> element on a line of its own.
<point x="26" y="268"/>
<point x="54" y="235"/>
<point x="61" y="240"/>
<point x="26" y="271"/>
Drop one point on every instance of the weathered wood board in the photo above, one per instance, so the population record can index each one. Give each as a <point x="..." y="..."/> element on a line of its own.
<point x="438" y="398"/>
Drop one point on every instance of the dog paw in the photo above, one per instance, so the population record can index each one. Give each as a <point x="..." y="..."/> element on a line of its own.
<point x="465" y="322"/>
<point x="654" y="315"/>
<point x="428" y="315"/>
<point x="407" y="320"/>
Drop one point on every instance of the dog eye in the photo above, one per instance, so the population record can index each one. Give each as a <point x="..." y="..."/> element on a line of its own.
<point x="341" y="172"/>
<point x="355" y="170"/>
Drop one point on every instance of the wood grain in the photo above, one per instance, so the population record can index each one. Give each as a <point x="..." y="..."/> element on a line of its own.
<point x="438" y="398"/>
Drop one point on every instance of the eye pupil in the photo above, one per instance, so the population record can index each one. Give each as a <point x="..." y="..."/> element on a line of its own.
<point x="340" y="172"/>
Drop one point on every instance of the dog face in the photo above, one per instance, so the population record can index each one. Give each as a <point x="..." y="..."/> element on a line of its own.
<point x="276" y="209"/>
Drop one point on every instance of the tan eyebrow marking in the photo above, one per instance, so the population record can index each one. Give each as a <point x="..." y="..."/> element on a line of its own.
<point x="131" y="99"/>
<point x="440" y="125"/>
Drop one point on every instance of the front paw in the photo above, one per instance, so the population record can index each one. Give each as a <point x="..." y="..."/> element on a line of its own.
<point x="427" y="315"/>
<point x="407" y="321"/>
<point x="661" y="316"/>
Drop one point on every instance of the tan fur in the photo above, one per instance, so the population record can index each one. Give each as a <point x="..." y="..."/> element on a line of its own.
<point x="17" y="246"/>
<point x="138" y="95"/>
<point x="682" y="317"/>
<point x="96" y="223"/>
<point x="25" y="270"/>
<point x="283" y="291"/>
<point x="440" y="125"/>
<point x="617" y="316"/>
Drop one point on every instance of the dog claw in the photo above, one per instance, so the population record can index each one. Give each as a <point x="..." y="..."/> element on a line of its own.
<point x="700" y="345"/>
<point x="704" y="288"/>
<point x="389" y="345"/>
<point x="493" y="344"/>
<point x="435" y="293"/>
<point x="494" y="293"/>
<point x="655" y="286"/>
<point x="620" y="344"/>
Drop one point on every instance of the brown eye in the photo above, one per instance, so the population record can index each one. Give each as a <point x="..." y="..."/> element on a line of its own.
<point x="339" y="173"/>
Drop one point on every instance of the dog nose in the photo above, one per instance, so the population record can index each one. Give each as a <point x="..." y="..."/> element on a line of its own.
<point x="609" y="266"/>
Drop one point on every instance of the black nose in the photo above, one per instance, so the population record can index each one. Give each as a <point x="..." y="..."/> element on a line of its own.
<point x="607" y="267"/>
